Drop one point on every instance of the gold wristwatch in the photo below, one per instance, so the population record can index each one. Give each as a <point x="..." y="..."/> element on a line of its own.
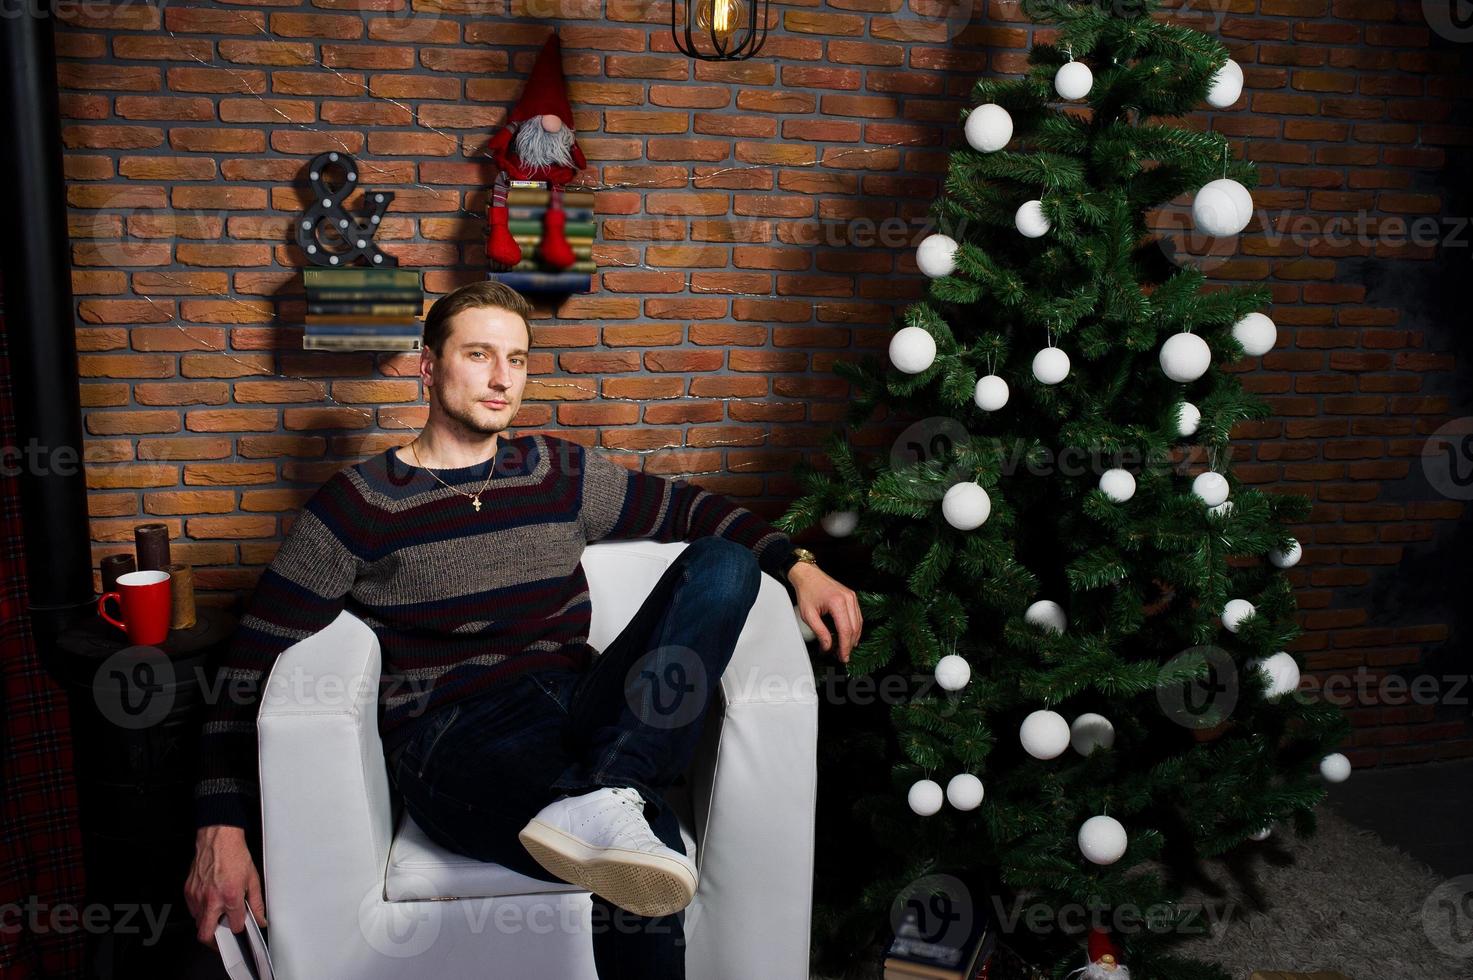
<point x="801" y="554"/>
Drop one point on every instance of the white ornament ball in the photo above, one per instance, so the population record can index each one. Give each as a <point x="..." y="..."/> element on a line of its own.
<point x="1074" y="80"/>
<point x="1222" y="207"/>
<point x="1227" y="85"/>
<point x="991" y="393"/>
<point x="964" y="791"/>
<point x="1044" y="734"/>
<point x="1262" y="835"/>
<point x="925" y="797"/>
<point x="840" y="523"/>
<point x="1030" y="220"/>
<point x="1102" y="840"/>
<point x="912" y="350"/>
<point x="966" y="505"/>
<point x="988" y="128"/>
<point x="936" y="255"/>
<point x="953" y="672"/>
<point x="1046" y="614"/>
<point x="1256" y="333"/>
<point x="1280" y="673"/>
<point x="1188" y="418"/>
<point x="1118" y="485"/>
<point x="1335" y="768"/>
<point x="1050" y="366"/>
<point x="804" y="630"/>
<point x="1235" y="612"/>
<point x="1287" y="558"/>
<point x="1091" y="731"/>
<point x="1211" y="488"/>
<point x="1185" y="357"/>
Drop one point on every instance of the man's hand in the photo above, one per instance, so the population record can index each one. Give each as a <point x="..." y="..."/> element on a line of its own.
<point x="819" y="594"/>
<point x="223" y="879"/>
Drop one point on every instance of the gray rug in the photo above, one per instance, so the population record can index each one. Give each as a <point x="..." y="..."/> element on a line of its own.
<point x="1342" y="900"/>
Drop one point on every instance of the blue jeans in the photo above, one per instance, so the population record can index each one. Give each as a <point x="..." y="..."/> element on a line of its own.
<point x="473" y="773"/>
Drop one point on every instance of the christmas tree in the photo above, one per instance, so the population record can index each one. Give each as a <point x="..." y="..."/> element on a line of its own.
<point x="1090" y="612"/>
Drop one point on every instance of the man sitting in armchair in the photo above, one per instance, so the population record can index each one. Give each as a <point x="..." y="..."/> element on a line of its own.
<point x="507" y="736"/>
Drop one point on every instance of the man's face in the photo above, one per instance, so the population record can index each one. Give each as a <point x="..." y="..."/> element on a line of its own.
<point x="479" y="378"/>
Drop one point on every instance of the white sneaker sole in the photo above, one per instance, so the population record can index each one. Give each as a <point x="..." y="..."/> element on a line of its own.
<point x="645" y="884"/>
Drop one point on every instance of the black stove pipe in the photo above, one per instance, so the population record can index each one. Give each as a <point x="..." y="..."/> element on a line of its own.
<point x="41" y="332"/>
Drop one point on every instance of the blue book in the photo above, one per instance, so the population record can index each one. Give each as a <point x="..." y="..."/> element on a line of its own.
<point x="545" y="282"/>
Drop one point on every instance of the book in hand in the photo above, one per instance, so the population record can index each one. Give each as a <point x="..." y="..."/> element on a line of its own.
<point x="945" y="942"/>
<point x="245" y="956"/>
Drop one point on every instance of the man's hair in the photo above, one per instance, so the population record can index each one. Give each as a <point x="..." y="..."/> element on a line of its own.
<point x="484" y="294"/>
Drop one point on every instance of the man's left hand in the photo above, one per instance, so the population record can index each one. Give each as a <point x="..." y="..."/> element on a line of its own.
<point x="819" y="594"/>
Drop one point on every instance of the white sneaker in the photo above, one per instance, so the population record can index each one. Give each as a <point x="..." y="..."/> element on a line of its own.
<point x="601" y="841"/>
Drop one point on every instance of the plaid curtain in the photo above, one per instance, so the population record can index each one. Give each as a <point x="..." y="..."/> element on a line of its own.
<point x="40" y="838"/>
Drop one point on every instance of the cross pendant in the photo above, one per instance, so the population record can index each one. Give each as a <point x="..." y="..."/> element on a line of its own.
<point x="477" y="502"/>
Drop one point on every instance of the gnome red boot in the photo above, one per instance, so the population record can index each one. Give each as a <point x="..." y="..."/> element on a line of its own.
<point x="556" y="252"/>
<point x="501" y="248"/>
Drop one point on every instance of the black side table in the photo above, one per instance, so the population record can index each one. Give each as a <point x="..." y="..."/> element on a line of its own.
<point x="136" y="713"/>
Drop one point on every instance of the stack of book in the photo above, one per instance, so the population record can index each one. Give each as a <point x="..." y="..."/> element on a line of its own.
<point x="363" y="309"/>
<point x="928" y="946"/>
<point x="526" y="206"/>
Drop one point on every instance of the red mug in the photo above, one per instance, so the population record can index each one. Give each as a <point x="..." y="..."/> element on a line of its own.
<point x="144" y="599"/>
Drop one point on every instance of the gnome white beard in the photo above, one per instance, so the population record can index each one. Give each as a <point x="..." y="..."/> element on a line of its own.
<point x="1099" y="971"/>
<point x="538" y="148"/>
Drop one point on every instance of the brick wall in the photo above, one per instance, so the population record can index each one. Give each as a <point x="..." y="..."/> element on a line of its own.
<point x="757" y="224"/>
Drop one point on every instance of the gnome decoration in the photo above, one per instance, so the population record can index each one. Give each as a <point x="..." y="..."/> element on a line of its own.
<point x="536" y="144"/>
<point x="1104" y="959"/>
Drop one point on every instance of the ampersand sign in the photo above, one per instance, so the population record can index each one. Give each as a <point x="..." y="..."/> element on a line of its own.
<point x="327" y="232"/>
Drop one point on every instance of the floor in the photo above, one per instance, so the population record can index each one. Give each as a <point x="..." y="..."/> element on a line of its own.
<point x="1422" y="810"/>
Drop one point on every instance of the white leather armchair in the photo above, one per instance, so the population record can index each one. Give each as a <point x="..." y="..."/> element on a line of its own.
<point x="355" y="889"/>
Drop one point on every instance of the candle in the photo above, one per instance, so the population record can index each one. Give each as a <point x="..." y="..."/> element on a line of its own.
<point x="151" y="541"/>
<point x="182" y="593"/>
<point x="112" y="567"/>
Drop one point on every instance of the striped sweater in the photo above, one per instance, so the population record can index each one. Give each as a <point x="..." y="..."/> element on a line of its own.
<point x="460" y="600"/>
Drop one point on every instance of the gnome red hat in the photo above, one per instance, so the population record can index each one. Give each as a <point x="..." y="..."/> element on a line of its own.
<point x="546" y="91"/>
<point x="1104" y="958"/>
<point x="533" y="147"/>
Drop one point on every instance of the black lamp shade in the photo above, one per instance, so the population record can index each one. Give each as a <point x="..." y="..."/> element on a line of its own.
<point x="720" y="30"/>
